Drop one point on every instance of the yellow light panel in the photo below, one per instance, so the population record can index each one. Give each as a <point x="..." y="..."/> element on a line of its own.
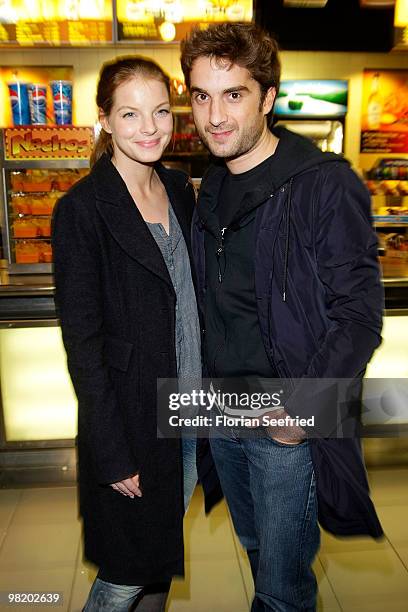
<point x="401" y="14"/>
<point x="37" y="395"/>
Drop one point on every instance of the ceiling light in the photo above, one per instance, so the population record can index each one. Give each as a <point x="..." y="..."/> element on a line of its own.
<point x="305" y="3"/>
<point x="377" y="3"/>
<point x="167" y="31"/>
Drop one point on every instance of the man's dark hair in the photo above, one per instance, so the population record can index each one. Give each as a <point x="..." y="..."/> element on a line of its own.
<point x="244" y="44"/>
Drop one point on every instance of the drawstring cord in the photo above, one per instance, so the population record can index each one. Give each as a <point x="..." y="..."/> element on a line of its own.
<point x="285" y="264"/>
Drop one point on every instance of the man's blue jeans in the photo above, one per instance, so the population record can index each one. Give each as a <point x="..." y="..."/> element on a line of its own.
<point x="270" y="490"/>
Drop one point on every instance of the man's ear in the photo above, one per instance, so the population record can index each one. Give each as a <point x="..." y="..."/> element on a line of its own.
<point x="104" y="121"/>
<point x="269" y="100"/>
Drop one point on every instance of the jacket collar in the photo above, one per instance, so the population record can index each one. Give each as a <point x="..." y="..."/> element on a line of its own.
<point x="209" y="196"/>
<point x="124" y="221"/>
<point x="294" y="155"/>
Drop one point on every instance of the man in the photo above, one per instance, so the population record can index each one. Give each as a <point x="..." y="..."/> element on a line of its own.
<point x="289" y="288"/>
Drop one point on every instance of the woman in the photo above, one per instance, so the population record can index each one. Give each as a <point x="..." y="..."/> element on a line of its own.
<point x="128" y="316"/>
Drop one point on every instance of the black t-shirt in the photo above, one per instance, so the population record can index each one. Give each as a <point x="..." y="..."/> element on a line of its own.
<point x="233" y="343"/>
<point x="234" y="188"/>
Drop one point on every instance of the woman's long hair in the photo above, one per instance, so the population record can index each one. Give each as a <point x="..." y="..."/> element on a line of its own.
<point x="111" y="76"/>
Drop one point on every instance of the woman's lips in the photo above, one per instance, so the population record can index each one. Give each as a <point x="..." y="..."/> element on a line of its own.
<point x="148" y="144"/>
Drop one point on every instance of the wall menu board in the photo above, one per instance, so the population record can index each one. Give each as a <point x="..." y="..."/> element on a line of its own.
<point x="384" y="127"/>
<point x="55" y="22"/>
<point x="168" y="20"/>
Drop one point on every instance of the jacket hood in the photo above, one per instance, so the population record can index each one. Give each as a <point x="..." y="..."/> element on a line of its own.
<point x="294" y="155"/>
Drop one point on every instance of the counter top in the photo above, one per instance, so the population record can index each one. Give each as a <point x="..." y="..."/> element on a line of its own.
<point x="43" y="284"/>
<point x="40" y="284"/>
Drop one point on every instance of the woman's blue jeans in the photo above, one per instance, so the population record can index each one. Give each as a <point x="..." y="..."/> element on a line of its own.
<point x="108" y="597"/>
<point x="189" y="446"/>
<point x="270" y="490"/>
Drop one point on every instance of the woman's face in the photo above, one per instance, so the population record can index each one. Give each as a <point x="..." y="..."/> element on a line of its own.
<point x="140" y="121"/>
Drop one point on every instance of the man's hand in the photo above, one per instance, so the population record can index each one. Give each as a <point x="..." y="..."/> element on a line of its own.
<point x="287" y="434"/>
<point x="128" y="487"/>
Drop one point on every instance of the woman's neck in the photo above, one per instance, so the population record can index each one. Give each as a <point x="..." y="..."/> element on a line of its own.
<point x="137" y="176"/>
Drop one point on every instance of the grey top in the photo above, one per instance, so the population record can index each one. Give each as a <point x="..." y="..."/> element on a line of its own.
<point x="188" y="342"/>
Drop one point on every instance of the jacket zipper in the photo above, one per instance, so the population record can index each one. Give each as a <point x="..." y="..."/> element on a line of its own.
<point x="220" y="251"/>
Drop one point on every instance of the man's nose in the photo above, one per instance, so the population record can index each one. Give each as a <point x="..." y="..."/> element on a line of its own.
<point x="218" y="114"/>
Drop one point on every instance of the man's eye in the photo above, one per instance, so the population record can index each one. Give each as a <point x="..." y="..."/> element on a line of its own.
<point x="200" y="97"/>
<point x="235" y="95"/>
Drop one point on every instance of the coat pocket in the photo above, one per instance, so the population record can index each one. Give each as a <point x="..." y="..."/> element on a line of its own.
<point x="117" y="353"/>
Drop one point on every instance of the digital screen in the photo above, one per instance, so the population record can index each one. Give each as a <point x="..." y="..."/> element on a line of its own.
<point x="307" y="98"/>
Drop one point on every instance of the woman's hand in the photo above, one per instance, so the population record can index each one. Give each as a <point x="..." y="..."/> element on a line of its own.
<point x="128" y="487"/>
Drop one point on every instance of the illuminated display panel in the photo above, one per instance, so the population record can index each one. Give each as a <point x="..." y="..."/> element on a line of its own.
<point x="36" y="392"/>
<point x="55" y="22"/>
<point x="310" y="98"/>
<point x="167" y="20"/>
<point x="390" y="362"/>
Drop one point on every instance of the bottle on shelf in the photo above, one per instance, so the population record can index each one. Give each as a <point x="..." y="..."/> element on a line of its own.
<point x="374" y="104"/>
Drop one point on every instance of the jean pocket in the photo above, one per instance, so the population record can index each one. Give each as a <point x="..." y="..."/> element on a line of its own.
<point x="286" y="444"/>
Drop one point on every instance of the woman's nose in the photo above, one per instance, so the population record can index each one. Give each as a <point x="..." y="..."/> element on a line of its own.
<point x="148" y="125"/>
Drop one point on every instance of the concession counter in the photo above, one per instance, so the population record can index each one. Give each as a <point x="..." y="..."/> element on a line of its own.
<point x="38" y="408"/>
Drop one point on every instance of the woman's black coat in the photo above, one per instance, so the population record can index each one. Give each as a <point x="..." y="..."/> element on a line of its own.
<point x="116" y="305"/>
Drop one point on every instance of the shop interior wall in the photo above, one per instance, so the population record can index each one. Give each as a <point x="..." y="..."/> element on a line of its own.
<point x="296" y="65"/>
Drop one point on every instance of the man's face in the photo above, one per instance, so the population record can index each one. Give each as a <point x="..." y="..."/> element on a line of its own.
<point x="227" y="109"/>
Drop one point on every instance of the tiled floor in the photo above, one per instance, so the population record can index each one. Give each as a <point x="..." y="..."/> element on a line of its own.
<point x="40" y="549"/>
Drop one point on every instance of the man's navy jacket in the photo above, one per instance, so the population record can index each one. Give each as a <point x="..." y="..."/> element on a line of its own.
<point x="319" y="300"/>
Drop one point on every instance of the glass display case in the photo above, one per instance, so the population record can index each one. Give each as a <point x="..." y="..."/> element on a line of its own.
<point x="387" y="182"/>
<point x="31" y="184"/>
<point x="186" y="150"/>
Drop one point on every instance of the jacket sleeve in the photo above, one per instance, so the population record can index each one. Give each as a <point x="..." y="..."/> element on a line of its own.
<point x="77" y="270"/>
<point x="347" y="266"/>
<point x="347" y="263"/>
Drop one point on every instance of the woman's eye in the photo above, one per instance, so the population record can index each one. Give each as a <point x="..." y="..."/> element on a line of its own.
<point x="163" y="112"/>
<point x="128" y="114"/>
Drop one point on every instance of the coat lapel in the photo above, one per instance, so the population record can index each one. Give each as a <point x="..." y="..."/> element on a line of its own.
<point x="124" y="220"/>
<point x="178" y="195"/>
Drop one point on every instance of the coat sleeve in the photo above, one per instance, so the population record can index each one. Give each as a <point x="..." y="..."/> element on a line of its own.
<point x="77" y="270"/>
<point x="347" y="266"/>
<point x="347" y="263"/>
